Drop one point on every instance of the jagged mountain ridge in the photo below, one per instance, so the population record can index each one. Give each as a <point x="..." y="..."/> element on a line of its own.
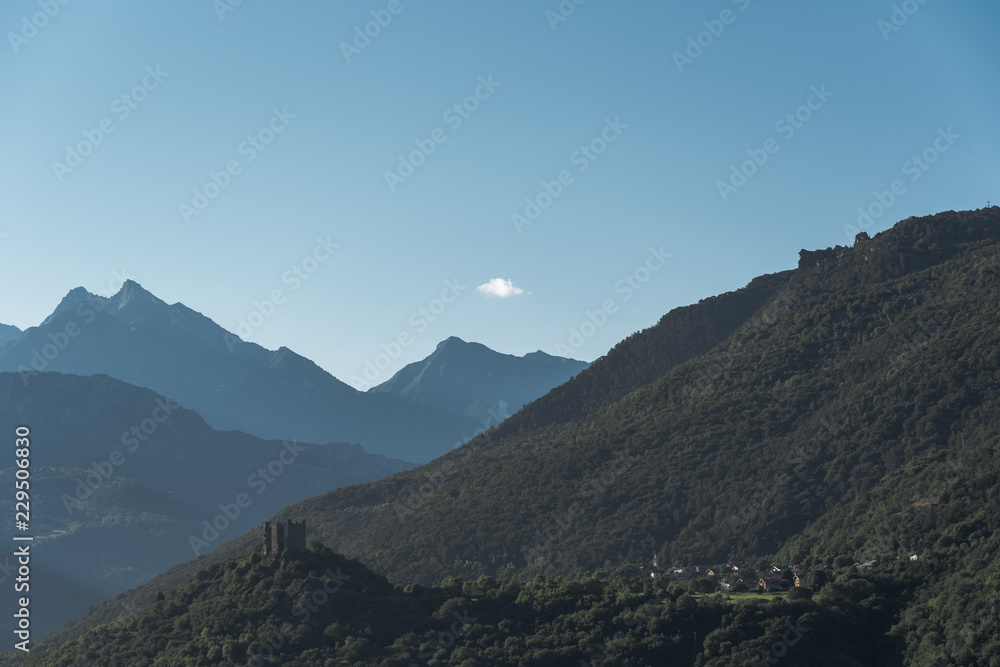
<point x="178" y="352"/>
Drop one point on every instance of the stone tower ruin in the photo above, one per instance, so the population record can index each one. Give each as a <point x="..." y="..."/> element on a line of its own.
<point x="284" y="535"/>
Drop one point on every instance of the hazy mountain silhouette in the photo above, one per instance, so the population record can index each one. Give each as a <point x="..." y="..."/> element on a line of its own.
<point x="471" y="380"/>
<point x="138" y="338"/>
<point x="122" y="478"/>
<point x="8" y="333"/>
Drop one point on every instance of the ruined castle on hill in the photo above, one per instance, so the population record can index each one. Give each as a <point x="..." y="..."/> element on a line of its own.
<point x="283" y="535"/>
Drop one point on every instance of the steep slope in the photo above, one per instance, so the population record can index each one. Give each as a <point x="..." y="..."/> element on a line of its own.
<point x="8" y="333"/>
<point x="472" y="380"/>
<point x="643" y="357"/>
<point x="136" y="337"/>
<point x="121" y="479"/>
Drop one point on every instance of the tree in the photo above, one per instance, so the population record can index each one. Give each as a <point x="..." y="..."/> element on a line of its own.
<point x="799" y="593"/>
<point x="702" y="585"/>
<point x="817" y="580"/>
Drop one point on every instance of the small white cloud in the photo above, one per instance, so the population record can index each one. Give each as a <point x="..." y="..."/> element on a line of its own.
<point x="500" y="288"/>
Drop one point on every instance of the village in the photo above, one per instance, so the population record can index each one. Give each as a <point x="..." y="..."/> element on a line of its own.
<point x="758" y="577"/>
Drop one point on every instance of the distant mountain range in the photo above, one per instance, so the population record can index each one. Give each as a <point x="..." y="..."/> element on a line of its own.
<point x="392" y="511"/>
<point x="471" y="380"/>
<point x="843" y="411"/>
<point x="130" y="368"/>
<point x="8" y="333"/>
<point x="137" y="338"/>
<point x="123" y="480"/>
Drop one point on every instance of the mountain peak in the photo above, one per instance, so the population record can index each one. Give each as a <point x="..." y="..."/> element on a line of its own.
<point x="131" y="290"/>
<point x="79" y="292"/>
<point x="472" y="380"/>
<point x="450" y="341"/>
<point x="539" y="354"/>
<point x="133" y="303"/>
<point x="72" y="299"/>
<point x="138" y="303"/>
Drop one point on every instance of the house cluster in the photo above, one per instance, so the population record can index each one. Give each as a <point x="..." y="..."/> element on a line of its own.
<point x="738" y="577"/>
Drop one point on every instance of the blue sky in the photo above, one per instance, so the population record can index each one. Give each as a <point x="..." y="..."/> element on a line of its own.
<point x="638" y="225"/>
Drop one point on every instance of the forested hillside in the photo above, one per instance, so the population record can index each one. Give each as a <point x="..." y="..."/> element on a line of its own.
<point x="853" y="416"/>
<point x="877" y="359"/>
<point x="318" y="608"/>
